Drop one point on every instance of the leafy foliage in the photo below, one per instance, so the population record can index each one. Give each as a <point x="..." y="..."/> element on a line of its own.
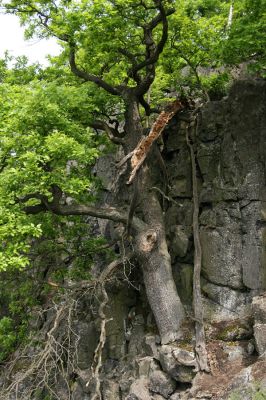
<point x="7" y="337"/>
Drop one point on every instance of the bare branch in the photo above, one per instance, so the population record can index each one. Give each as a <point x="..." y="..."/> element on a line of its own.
<point x="153" y="50"/>
<point x="110" y="213"/>
<point x="112" y="133"/>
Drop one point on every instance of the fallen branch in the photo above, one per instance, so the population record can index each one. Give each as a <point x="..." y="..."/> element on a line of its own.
<point x="139" y="154"/>
<point x="200" y="348"/>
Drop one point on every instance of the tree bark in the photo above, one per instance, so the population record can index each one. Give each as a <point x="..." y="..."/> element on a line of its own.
<point x="150" y="243"/>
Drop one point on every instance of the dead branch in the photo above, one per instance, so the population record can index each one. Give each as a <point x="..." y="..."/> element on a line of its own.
<point x="97" y="361"/>
<point x="168" y="198"/>
<point x="140" y="153"/>
<point x="230" y="16"/>
<point x="44" y="367"/>
<point x="200" y="348"/>
<point x="111" y="132"/>
<point x="81" y="285"/>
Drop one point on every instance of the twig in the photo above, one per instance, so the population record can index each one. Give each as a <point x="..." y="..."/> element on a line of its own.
<point x="170" y="199"/>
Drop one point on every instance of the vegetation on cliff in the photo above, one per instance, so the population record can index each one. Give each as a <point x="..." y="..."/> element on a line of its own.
<point x="120" y="63"/>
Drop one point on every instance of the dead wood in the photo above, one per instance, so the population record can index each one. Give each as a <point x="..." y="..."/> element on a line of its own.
<point x="139" y="154"/>
<point x="200" y="348"/>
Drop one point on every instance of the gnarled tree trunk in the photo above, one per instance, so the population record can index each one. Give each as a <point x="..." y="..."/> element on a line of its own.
<point x="150" y="242"/>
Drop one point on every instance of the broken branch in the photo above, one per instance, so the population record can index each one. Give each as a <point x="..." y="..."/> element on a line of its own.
<point x="140" y="153"/>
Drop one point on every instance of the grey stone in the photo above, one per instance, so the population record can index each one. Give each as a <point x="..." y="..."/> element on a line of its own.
<point x="110" y="390"/>
<point x="117" y="313"/>
<point x="125" y="383"/>
<point x="175" y="141"/>
<point x="176" y="396"/>
<point x="157" y="397"/>
<point x="208" y="159"/>
<point x="259" y="314"/>
<point x="215" y="313"/>
<point x="87" y="343"/>
<point x="161" y="383"/>
<point x="169" y="365"/>
<point x="234" y="352"/>
<point x="179" y="245"/>
<point x="139" y="390"/>
<point x="225" y="297"/>
<point x="145" y="366"/>
<point x="179" y="214"/>
<point x="250" y="347"/>
<point x="260" y="338"/>
<point x="138" y="331"/>
<point x="253" y="274"/>
<point x="246" y="383"/>
<point x="149" y="346"/>
<point x="183" y="277"/>
<point x="221" y="257"/>
<point x="181" y="188"/>
<point x="259" y="309"/>
<point x="185" y="357"/>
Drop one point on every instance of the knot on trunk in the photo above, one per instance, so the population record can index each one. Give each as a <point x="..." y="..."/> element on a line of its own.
<point x="147" y="241"/>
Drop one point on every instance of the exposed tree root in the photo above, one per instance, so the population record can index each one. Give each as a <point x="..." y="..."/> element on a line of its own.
<point x="200" y="348"/>
<point x="97" y="361"/>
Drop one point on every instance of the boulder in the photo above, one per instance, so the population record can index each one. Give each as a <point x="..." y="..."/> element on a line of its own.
<point x="259" y="313"/>
<point x="181" y="373"/>
<point x="260" y="338"/>
<point x="180" y="242"/>
<point x="222" y="257"/>
<point x="161" y="383"/>
<point x="150" y="346"/>
<point x="259" y="309"/>
<point x="145" y="366"/>
<point x="185" y="357"/>
<point x="226" y="297"/>
<point x="110" y="390"/>
<point x="139" y="390"/>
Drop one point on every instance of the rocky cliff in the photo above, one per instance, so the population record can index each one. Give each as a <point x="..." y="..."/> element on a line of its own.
<point x="230" y="148"/>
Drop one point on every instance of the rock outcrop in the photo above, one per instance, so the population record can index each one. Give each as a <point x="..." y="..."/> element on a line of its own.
<point x="230" y="148"/>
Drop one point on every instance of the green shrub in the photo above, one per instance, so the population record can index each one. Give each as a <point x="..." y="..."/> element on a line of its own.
<point x="8" y="337"/>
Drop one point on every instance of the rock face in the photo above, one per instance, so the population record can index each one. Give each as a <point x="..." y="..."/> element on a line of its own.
<point x="259" y="312"/>
<point x="230" y="143"/>
<point x="231" y="159"/>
